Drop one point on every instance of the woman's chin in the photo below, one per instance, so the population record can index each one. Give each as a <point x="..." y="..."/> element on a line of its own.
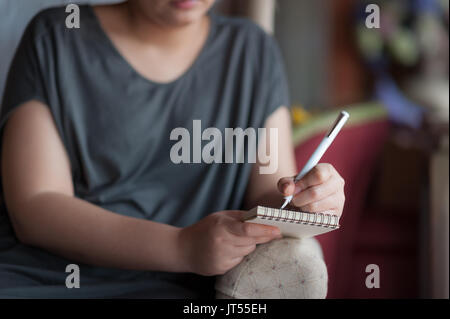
<point x="188" y="11"/>
<point x="172" y="13"/>
<point x="185" y="18"/>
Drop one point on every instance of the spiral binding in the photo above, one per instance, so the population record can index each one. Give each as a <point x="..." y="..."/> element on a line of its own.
<point x="299" y="217"/>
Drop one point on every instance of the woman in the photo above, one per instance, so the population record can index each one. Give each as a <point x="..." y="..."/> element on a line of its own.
<point x="86" y="172"/>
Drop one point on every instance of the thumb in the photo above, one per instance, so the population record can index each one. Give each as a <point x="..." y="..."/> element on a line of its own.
<point x="286" y="186"/>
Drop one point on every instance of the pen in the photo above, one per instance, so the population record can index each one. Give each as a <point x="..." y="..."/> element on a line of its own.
<point x="320" y="150"/>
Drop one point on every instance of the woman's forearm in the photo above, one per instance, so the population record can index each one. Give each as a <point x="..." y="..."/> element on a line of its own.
<point x="84" y="232"/>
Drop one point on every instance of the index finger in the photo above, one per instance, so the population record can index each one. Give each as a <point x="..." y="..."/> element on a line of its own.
<point x="318" y="175"/>
<point x="247" y="229"/>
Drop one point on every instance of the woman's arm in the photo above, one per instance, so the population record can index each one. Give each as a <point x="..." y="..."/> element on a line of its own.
<point x="40" y="199"/>
<point x="44" y="212"/>
<point x="322" y="189"/>
<point x="262" y="188"/>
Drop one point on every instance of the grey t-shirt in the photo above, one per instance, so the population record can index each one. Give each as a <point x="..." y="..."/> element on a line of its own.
<point x="115" y="125"/>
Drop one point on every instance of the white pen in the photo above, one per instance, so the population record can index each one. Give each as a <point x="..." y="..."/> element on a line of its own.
<point x="320" y="150"/>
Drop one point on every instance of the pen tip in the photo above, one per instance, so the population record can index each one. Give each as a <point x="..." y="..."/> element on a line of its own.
<point x="286" y="201"/>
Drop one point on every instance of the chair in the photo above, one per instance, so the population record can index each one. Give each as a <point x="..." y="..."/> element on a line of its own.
<point x="354" y="154"/>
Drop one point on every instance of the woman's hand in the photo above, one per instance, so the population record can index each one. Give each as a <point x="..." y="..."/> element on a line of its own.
<point x="220" y="241"/>
<point x="322" y="189"/>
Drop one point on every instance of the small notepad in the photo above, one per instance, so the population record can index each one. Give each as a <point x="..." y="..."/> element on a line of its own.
<point x="293" y="223"/>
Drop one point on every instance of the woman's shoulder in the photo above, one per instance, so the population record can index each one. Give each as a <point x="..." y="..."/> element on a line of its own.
<point x="54" y="18"/>
<point x="244" y="34"/>
<point x="240" y="26"/>
<point x="46" y="20"/>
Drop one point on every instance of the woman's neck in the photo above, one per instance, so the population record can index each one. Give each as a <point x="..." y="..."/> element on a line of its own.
<point x="152" y="32"/>
<point x="158" y="52"/>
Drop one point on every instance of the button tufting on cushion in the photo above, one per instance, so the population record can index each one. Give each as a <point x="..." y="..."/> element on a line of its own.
<point x="287" y="268"/>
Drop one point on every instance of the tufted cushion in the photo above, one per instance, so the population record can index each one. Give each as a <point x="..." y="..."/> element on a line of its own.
<point x="286" y="268"/>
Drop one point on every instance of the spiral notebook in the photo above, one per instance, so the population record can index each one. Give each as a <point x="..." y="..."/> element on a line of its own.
<point x="293" y="223"/>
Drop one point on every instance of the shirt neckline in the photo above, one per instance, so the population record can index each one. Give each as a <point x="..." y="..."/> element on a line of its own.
<point x="104" y="35"/>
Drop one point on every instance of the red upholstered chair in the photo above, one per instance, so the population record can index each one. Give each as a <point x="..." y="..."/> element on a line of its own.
<point x="354" y="153"/>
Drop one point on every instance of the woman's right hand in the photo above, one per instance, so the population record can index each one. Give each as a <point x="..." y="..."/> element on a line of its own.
<point x="220" y="241"/>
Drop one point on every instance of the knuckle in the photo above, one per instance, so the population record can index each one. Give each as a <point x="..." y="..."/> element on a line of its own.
<point x="314" y="193"/>
<point x="246" y="229"/>
<point x="218" y="220"/>
<point x="301" y="184"/>
<point x="329" y="168"/>
<point x="316" y="170"/>
<point x="320" y="174"/>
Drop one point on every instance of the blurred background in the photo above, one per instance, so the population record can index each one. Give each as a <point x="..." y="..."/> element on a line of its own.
<point x="393" y="153"/>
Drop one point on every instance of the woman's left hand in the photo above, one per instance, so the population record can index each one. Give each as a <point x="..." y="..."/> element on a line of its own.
<point x="322" y="189"/>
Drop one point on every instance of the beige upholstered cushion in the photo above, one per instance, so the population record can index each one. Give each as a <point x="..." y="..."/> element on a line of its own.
<point x="282" y="269"/>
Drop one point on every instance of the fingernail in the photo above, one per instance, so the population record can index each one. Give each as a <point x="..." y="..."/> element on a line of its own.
<point x="276" y="232"/>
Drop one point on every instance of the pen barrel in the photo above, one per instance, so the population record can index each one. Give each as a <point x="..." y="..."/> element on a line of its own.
<point x="323" y="146"/>
<point x="314" y="159"/>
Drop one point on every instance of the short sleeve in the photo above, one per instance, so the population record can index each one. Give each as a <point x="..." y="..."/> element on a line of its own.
<point x="274" y="77"/>
<point x="24" y="81"/>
